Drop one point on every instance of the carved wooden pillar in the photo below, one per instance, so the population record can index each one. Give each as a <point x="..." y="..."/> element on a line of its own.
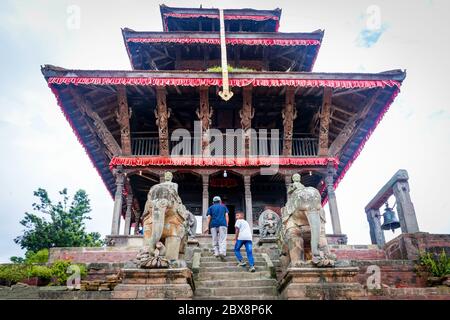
<point x="204" y="114"/>
<point x="123" y="118"/>
<point x="405" y="207"/>
<point x="289" y="114"/>
<point x="120" y="179"/>
<point x="128" y="213"/>
<point x="376" y="233"/>
<point x="325" y="121"/>
<point x="205" y="199"/>
<point x="162" y="114"/>
<point x="246" y="114"/>
<point x="334" y="213"/>
<point x="248" y="201"/>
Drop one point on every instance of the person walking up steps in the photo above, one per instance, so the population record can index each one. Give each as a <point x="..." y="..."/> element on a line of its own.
<point x="243" y="237"/>
<point x="218" y="224"/>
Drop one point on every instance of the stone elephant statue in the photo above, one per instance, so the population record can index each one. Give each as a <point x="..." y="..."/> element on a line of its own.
<point x="164" y="220"/>
<point x="303" y="218"/>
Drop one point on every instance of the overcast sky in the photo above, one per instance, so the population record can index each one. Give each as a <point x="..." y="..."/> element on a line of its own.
<point x="38" y="148"/>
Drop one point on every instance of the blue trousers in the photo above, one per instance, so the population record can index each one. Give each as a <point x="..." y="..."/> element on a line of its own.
<point x="248" y="250"/>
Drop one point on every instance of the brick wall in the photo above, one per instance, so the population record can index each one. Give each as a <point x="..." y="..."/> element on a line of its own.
<point x="94" y="255"/>
<point x="408" y="245"/>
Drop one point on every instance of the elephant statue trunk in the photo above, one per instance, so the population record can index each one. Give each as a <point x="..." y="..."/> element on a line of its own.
<point x="159" y="208"/>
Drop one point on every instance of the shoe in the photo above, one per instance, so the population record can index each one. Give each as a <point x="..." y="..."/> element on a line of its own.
<point x="222" y="257"/>
<point x="242" y="264"/>
<point x="252" y="269"/>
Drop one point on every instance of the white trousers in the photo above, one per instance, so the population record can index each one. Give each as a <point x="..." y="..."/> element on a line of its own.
<point x="219" y="239"/>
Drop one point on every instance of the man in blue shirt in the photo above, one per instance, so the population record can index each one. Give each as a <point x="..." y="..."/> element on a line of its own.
<point x="218" y="224"/>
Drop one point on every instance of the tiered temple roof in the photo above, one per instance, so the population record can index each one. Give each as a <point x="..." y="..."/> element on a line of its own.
<point x="178" y="59"/>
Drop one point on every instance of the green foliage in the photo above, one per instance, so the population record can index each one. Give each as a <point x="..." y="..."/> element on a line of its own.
<point x="60" y="268"/>
<point x="13" y="273"/>
<point x="230" y="69"/>
<point x="436" y="265"/>
<point x="39" y="257"/>
<point x="65" y="226"/>
<point x="42" y="272"/>
<point x="17" y="260"/>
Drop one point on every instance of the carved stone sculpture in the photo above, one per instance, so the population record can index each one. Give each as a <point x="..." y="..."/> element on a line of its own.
<point x="269" y="224"/>
<point x="164" y="220"/>
<point x="191" y="224"/>
<point x="303" y="218"/>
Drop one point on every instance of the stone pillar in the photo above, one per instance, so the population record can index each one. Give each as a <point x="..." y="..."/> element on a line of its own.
<point x="325" y="122"/>
<point x="118" y="199"/>
<point x="289" y="114"/>
<point x="405" y="207"/>
<point x="205" y="200"/>
<point x="128" y="213"/>
<point x="334" y="213"/>
<point x="162" y="115"/>
<point x="287" y="181"/>
<point x="248" y="201"/>
<point x="376" y="233"/>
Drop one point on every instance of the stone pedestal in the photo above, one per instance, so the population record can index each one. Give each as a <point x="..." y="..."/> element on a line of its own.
<point x="320" y="284"/>
<point x="125" y="240"/>
<point x="269" y="245"/>
<point x="155" y="284"/>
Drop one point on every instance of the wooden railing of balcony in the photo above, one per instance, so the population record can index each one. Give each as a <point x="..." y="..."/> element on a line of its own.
<point x="301" y="147"/>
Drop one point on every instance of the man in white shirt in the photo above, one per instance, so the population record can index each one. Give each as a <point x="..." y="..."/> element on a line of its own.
<point x="243" y="237"/>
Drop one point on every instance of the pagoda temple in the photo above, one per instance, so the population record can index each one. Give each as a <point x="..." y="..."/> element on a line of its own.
<point x="227" y="72"/>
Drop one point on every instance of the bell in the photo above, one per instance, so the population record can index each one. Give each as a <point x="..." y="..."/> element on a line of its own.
<point x="390" y="220"/>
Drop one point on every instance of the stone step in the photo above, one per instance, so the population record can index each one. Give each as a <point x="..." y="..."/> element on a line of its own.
<point x="236" y="283"/>
<point x="215" y="275"/>
<point x="229" y="269"/>
<point x="232" y="291"/>
<point x="230" y="252"/>
<point x="229" y="259"/>
<point x="219" y="263"/>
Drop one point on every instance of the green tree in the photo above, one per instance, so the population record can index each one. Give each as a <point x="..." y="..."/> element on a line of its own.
<point x="62" y="223"/>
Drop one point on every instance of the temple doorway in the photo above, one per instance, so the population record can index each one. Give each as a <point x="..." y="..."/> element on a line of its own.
<point x="229" y="186"/>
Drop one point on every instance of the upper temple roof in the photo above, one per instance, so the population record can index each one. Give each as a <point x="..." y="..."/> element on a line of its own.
<point x="203" y="19"/>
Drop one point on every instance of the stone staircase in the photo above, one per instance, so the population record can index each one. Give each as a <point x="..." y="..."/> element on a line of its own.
<point x="224" y="280"/>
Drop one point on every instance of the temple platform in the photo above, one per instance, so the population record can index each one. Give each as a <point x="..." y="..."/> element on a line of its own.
<point x="155" y="284"/>
<point x="320" y="284"/>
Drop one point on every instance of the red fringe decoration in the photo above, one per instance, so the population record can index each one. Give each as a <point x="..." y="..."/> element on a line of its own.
<point x="196" y="82"/>
<point x="216" y="16"/>
<point x="231" y="41"/>
<point x="74" y="129"/>
<point x="219" y="162"/>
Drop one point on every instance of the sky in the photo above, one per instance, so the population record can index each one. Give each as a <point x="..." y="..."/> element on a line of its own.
<point x="39" y="149"/>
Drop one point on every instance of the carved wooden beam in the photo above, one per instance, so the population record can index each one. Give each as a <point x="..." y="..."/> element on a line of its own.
<point x="102" y="131"/>
<point x="123" y="118"/>
<point x="325" y="121"/>
<point x="162" y="115"/>
<point x="289" y="114"/>
<point x="352" y="126"/>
